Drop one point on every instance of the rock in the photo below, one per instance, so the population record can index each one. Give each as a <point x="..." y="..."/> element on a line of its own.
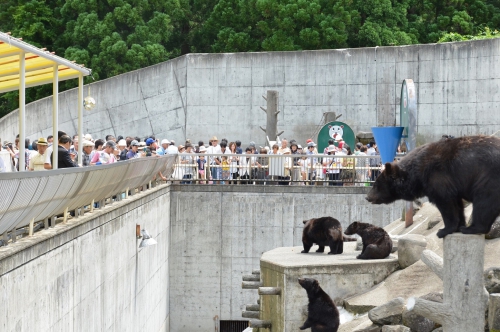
<point x="494" y="312"/>
<point x="370" y="328"/>
<point x="389" y="313"/>
<point x="419" y="323"/>
<point x="439" y="329"/>
<point x="492" y="280"/>
<point x="395" y="328"/>
<point x="434" y="221"/>
<point x="494" y="231"/>
<point x="410" y="248"/>
<point x="394" y="245"/>
<point x="359" y="244"/>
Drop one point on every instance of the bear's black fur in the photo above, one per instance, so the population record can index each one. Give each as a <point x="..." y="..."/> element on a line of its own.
<point x="324" y="231"/>
<point x="323" y="315"/>
<point x="377" y="244"/>
<point x="446" y="172"/>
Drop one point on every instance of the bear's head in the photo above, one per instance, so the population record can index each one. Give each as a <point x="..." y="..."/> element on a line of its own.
<point x="388" y="185"/>
<point x="352" y="229"/>
<point x="309" y="284"/>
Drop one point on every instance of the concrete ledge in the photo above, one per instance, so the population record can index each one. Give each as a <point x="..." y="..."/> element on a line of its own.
<point x="221" y="188"/>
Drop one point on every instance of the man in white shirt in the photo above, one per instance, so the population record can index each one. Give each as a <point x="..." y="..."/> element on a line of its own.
<point x="213" y="149"/>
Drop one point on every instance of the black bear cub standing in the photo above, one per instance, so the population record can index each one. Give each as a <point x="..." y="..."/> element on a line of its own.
<point x="323" y="315"/>
<point x="377" y="244"/>
<point x="324" y="231"/>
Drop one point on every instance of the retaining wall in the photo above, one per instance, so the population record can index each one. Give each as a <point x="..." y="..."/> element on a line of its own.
<point x="199" y="95"/>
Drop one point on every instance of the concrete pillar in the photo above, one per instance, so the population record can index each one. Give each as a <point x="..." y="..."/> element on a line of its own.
<point x="494" y="313"/>
<point x="464" y="298"/>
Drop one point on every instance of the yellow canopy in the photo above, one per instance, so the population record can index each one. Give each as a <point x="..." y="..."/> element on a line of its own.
<point x="39" y="65"/>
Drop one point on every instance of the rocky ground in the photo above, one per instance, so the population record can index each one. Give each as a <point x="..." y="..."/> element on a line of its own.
<point x="415" y="279"/>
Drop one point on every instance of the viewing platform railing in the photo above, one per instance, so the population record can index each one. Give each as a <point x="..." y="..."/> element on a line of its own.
<point x="269" y="169"/>
<point x="31" y="200"/>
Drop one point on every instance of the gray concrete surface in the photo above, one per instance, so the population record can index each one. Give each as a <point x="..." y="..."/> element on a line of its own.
<point x="219" y="234"/>
<point x="338" y="275"/>
<point x="89" y="275"/>
<point x="199" y="95"/>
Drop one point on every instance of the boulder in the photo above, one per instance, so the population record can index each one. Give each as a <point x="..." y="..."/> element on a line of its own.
<point x="419" y="323"/>
<point x="370" y="328"/>
<point x="389" y="313"/>
<point x="410" y="248"/>
<point x="494" y="231"/>
<point x="492" y="280"/>
<point x="359" y="244"/>
<point x="395" y="328"/>
<point x="439" y="329"/>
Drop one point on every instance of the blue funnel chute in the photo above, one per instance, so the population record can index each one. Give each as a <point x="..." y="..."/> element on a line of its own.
<point x="387" y="139"/>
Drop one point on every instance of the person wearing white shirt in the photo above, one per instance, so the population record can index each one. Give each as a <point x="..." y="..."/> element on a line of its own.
<point x="214" y="148"/>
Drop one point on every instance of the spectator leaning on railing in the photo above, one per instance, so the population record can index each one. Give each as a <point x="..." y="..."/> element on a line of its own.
<point x="37" y="161"/>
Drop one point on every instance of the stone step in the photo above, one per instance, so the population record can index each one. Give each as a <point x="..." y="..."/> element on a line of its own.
<point x="256" y="271"/>
<point x="257" y="323"/>
<point x="250" y="314"/>
<point x="253" y="307"/>
<point x="251" y="284"/>
<point x="251" y="277"/>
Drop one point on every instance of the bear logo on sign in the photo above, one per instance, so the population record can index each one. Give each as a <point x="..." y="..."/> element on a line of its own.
<point x="336" y="132"/>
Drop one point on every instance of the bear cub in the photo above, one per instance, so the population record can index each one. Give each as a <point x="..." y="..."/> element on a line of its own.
<point x="377" y="244"/>
<point x="323" y="315"/>
<point x="324" y="231"/>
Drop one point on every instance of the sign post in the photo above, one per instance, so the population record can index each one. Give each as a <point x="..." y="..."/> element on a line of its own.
<point x="408" y="120"/>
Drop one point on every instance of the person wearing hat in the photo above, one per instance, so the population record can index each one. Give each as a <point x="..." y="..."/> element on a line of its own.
<point x="332" y="166"/>
<point x="172" y="149"/>
<point x="187" y="160"/>
<point x="162" y="150"/>
<point x="87" y="147"/>
<point x="311" y="150"/>
<point x="37" y="161"/>
<point x="214" y="148"/>
<point x="295" y="170"/>
<point x="134" y="147"/>
<point x="107" y="155"/>
<point x="284" y="145"/>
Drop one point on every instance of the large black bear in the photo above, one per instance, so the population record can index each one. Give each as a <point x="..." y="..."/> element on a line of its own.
<point x="323" y="315"/>
<point x="446" y="172"/>
<point x="377" y="244"/>
<point x="324" y="231"/>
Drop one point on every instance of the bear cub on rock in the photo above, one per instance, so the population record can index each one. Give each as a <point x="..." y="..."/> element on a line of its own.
<point x="448" y="172"/>
<point x="324" y="231"/>
<point x="377" y="244"/>
<point x="323" y="315"/>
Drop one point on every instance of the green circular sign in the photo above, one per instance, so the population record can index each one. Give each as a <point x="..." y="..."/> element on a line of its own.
<point x="333" y="130"/>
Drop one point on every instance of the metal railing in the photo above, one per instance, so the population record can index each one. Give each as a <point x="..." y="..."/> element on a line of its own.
<point x="266" y="169"/>
<point x="28" y="197"/>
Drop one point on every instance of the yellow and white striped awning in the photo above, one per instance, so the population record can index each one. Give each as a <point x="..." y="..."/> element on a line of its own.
<point x="39" y="65"/>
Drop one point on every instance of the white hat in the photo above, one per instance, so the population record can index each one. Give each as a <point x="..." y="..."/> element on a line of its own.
<point x="299" y="146"/>
<point x="122" y="142"/>
<point x="332" y="148"/>
<point x="87" y="143"/>
<point x="165" y="141"/>
<point x="311" y="144"/>
<point x="142" y="143"/>
<point x="203" y="148"/>
<point x="88" y="137"/>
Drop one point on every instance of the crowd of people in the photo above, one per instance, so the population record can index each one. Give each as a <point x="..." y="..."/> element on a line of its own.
<point x="299" y="165"/>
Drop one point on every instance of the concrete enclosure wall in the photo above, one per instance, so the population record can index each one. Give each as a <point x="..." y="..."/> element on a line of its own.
<point x="218" y="235"/>
<point x="200" y="95"/>
<point x="89" y="274"/>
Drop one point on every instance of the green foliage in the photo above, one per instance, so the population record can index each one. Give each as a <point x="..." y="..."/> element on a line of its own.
<point x="116" y="36"/>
